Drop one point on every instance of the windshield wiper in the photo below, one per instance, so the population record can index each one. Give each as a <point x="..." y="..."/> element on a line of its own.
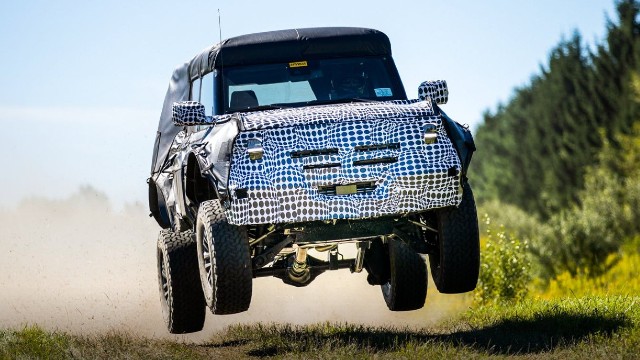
<point x="360" y="100"/>
<point x="339" y="101"/>
<point x="262" y="107"/>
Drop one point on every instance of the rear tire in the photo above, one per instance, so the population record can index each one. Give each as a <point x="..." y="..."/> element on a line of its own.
<point x="181" y="298"/>
<point x="406" y="288"/>
<point x="224" y="260"/>
<point x="456" y="263"/>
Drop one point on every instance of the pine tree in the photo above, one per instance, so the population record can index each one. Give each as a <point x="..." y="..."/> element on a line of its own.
<point x="533" y="151"/>
<point x="614" y="62"/>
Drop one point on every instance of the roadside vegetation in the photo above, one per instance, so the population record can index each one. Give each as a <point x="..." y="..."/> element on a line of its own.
<point x="560" y="183"/>
<point x="559" y="161"/>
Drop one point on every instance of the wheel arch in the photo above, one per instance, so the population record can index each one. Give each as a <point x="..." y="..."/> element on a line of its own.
<point x="158" y="205"/>
<point x="198" y="186"/>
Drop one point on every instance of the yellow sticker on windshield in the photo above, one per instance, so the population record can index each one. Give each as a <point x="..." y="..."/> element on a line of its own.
<point x="296" y="64"/>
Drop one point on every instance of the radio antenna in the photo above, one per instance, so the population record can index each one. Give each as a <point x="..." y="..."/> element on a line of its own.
<point x="219" y="26"/>
<point x="224" y="97"/>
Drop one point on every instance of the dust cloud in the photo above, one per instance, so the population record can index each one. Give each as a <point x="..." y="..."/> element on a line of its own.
<point x="79" y="266"/>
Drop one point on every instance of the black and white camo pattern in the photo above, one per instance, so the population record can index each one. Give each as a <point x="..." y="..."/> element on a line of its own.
<point x="280" y="190"/>
<point x="436" y="90"/>
<point x="188" y="113"/>
<point x="398" y="109"/>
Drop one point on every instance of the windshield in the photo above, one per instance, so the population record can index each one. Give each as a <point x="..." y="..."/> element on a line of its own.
<point x="309" y="82"/>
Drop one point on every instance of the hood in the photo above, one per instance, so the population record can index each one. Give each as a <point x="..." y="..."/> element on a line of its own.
<point x="322" y="114"/>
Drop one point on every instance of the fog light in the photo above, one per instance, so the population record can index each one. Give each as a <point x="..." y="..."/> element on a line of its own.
<point x="254" y="149"/>
<point x="430" y="134"/>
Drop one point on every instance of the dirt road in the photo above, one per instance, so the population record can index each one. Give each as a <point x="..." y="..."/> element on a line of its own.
<point x="77" y="265"/>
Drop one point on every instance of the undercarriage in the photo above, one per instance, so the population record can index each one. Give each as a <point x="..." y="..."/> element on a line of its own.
<point x="292" y="253"/>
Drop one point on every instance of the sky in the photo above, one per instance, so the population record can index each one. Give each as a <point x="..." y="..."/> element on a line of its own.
<point x="84" y="81"/>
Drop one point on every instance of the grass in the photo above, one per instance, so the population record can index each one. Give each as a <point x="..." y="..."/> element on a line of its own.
<point x="32" y="342"/>
<point x="549" y="326"/>
<point x="570" y="328"/>
<point x="572" y="317"/>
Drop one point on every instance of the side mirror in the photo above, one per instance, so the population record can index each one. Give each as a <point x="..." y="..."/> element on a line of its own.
<point x="436" y="90"/>
<point x="188" y="113"/>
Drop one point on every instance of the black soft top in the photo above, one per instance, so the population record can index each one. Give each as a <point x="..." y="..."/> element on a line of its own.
<point x="290" y="45"/>
<point x="263" y="48"/>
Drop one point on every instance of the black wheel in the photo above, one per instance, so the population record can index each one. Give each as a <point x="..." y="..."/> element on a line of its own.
<point x="376" y="262"/>
<point x="181" y="298"/>
<point x="406" y="288"/>
<point x="224" y="260"/>
<point x="455" y="264"/>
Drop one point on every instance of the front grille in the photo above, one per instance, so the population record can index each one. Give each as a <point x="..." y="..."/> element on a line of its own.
<point x="318" y="152"/>
<point x="358" y="149"/>
<point x="320" y="166"/>
<point x="392" y="146"/>
<point x="382" y="160"/>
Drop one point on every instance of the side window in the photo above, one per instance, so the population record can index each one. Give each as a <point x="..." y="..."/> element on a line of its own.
<point x="195" y="90"/>
<point x="206" y="93"/>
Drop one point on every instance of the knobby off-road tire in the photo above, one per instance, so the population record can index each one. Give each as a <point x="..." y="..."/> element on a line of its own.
<point x="181" y="298"/>
<point x="456" y="264"/>
<point x="224" y="260"/>
<point x="406" y="288"/>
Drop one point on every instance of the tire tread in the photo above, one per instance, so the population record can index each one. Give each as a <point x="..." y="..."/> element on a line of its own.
<point x="233" y="274"/>
<point x="185" y="312"/>
<point x="455" y="268"/>
<point x="407" y="286"/>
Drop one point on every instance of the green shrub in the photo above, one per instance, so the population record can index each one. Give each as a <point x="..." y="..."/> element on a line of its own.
<point x="582" y="237"/>
<point x="504" y="267"/>
<point x="620" y="279"/>
<point x="514" y="220"/>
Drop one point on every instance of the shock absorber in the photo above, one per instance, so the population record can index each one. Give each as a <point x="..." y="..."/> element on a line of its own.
<point x="299" y="270"/>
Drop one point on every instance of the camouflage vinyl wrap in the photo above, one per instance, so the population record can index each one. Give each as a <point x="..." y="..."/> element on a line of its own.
<point x="348" y="161"/>
<point x="435" y="90"/>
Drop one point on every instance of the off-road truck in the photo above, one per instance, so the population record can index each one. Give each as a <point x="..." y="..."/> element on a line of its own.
<point x="276" y="150"/>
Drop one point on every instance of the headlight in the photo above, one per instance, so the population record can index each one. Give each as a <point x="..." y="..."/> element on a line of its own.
<point x="430" y="134"/>
<point x="254" y="149"/>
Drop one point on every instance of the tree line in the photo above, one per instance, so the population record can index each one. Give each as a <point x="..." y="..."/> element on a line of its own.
<point x="535" y="150"/>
